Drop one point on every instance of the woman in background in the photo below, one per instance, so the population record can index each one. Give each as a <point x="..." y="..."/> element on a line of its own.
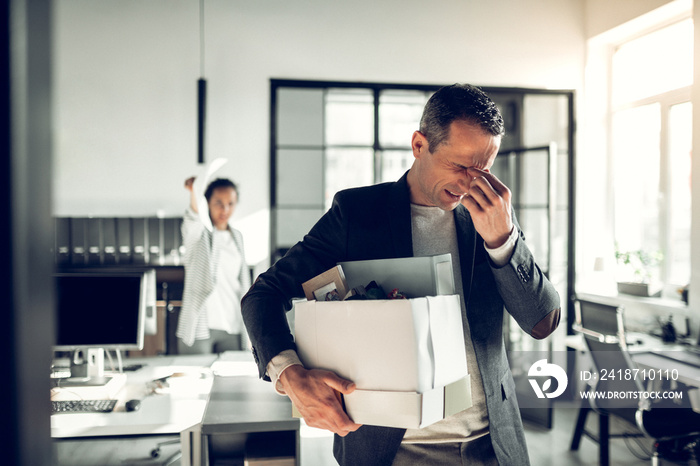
<point x="216" y="274"/>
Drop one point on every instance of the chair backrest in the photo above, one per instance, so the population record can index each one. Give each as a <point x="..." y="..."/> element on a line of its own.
<point x="596" y="317"/>
<point x="602" y="327"/>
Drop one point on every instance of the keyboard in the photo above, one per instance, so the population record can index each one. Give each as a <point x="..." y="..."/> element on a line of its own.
<point x="82" y="406"/>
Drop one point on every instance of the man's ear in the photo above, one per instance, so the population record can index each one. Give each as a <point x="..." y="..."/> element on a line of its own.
<point x="419" y="144"/>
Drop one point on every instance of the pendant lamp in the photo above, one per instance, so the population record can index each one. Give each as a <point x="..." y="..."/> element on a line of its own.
<point x="201" y="89"/>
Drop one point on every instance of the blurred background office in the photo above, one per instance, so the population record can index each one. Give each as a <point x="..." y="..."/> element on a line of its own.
<point x="102" y="97"/>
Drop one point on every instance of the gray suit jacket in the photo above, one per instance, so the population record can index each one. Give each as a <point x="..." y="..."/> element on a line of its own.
<point x="375" y="223"/>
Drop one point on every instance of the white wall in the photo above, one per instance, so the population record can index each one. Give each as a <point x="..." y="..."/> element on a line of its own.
<point x="604" y="15"/>
<point x="125" y="81"/>
<point x="694" y="289"/>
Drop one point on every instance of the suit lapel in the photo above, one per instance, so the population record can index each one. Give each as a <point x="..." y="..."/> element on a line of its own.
<point x="399" y="213"/>
<point x="466" y="239"/>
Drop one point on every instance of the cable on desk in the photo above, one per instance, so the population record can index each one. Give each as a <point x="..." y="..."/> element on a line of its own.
<point x="62" y="390"/>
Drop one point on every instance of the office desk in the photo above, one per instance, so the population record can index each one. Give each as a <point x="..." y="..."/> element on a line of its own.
<point x="217" y="408"/>
<point x="642" y="348"/>
<point x="687" y="374"/>
<point x="244" y="418"/>
<point x="170" y="411"/>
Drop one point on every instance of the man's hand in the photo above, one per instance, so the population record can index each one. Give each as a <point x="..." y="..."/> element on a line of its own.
<point x="314" y="393"/>
<point x="488" y="202"/>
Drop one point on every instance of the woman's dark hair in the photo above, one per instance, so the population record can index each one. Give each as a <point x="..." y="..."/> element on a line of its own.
<point x="220" y="183"/>
<point x="459" y="102"/>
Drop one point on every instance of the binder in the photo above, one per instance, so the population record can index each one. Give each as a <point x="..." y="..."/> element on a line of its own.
<point x="171" y="241"/>
<point x="78" y="233"/>
<point x="124" y="248"/>
<point x="109" y="241"/>
<point x="62" y="253"/>
<point x="139" y="242"/>
<point x="94" y="241"/>
<point x="415" y="276"/>
<point x="155" y="243"/>
<point x="180" y="241"/>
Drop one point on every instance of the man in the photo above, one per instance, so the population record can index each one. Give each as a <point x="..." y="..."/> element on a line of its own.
<point x="447" y="202"/>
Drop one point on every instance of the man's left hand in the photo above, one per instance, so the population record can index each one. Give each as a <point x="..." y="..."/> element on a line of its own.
<point x="489" y="203"/>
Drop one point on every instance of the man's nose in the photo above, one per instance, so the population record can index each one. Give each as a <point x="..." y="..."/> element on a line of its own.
<point x="464" y="184"/>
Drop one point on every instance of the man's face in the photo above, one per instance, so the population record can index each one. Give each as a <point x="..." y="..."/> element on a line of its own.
<point x="221" y="206"/>
<point x="441" y="178"/>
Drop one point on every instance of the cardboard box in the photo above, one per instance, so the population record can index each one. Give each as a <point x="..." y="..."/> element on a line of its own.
<point x="408" y="410"/>
<point x="401" y="354"/>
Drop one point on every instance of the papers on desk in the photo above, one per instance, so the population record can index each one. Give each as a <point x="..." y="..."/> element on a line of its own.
<point x="182" y="382"/>
<point x="224" y="368"/>
<point x="235" y="364"/>
<point x="74" y="389"/>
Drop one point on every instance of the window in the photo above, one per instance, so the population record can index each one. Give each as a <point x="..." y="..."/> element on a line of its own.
<point x="332" y="136"/>
<point x="651" y="127"/>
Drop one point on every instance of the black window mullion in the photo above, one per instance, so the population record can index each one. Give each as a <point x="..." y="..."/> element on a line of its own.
<point x="324" y="149"/>
<point x="376" y="146"/>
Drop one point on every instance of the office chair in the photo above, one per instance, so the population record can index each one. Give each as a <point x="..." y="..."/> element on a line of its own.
<point x="155" y="453"/>
<point x="602" y="327"/>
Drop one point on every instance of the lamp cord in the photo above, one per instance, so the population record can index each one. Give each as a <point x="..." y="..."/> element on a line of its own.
<point x="201" y="38"/>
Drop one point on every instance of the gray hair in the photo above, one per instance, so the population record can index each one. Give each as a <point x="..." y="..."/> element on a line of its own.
<point x="459" y="102"/>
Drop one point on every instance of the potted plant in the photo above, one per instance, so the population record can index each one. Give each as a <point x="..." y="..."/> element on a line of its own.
<point x="637" y="269"/>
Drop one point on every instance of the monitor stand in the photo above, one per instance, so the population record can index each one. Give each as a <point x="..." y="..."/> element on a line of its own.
<point x="87" y="380"/>
<point x="87" y="368"/>
<point x="82" y="381"/>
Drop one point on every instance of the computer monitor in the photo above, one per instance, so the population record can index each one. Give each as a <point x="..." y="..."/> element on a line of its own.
<point x="100" y="310"/>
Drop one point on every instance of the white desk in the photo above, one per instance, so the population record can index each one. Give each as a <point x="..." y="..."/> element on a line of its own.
<point x="642" y="347"/>
<point x="170" y="411"/>
<point x="219" y="409"/>
<point x="636" y="343"/>
<point x="687" y="373"/>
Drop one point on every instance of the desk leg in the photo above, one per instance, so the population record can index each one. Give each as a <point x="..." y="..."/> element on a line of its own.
<point x="192" y="452"/>
<point x="604" y="439"/>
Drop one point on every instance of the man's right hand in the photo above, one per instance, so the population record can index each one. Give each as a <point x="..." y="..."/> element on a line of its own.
<point x="313" y="392"/>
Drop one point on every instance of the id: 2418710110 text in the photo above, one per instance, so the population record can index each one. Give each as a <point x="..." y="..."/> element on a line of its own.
<point x="642" y="375"/>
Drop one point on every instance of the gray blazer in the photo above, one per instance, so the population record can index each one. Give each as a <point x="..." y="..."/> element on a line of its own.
<point x="375" y="223"/>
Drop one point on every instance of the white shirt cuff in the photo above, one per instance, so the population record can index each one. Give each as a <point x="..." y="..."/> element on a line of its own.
<point x="501" y="255"/>
<point x="278" y="364"/>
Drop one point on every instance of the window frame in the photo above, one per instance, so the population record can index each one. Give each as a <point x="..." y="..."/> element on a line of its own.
<point x="666" y="100"/>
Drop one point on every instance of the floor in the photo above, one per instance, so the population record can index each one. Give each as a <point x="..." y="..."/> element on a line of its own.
<point x="546" y="447"/>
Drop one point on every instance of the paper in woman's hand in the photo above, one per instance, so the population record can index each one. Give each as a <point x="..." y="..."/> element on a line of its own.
<point x="199" y="186"/>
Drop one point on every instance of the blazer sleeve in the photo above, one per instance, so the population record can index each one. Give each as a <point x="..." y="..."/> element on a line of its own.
<point x="264" y="306"/>
<point x="527" y="293"/>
